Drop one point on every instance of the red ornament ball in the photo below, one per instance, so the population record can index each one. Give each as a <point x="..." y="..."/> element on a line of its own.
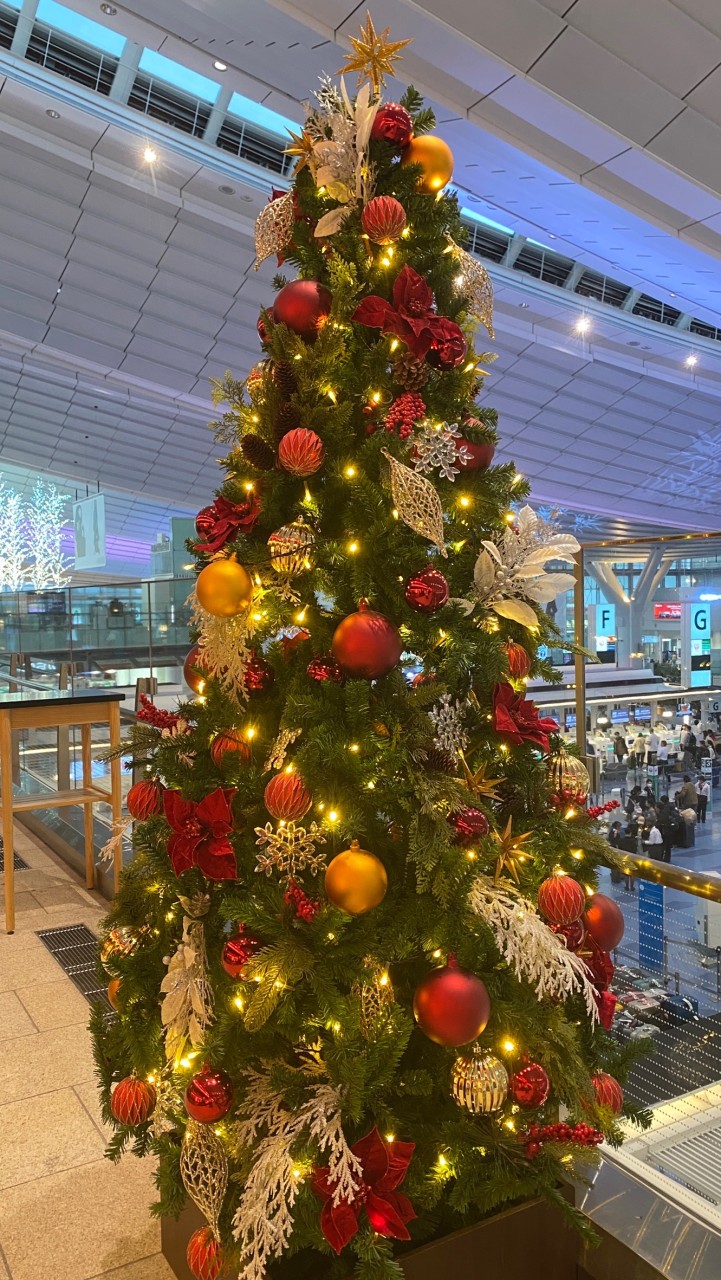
<point x="262" y="329"/>
<point x="229" y="740"/>
<point x="259" y="675"/>
<point x="204" y="1255"/>
<point x="133" y="1101"/>
<point x="301" y="452"/>
<point x="530" y="1086"/>
<point x="468" y="824"/>
<point x="366" y="644"/>
<point x="383" y="219"/>
<point x="573" y="934"/>
<point x="145" y="799"/>
<point x="256" y="377"/>
<point x="604" y="921"/>
<point x="193" y="673"/>
<point x="205" y="522"/>
<point x="561" y="899"/>
<point x="448" y="351"/>
<point x="287" y="798"/>
<point x="427" y="591"/>
<point x="392" y="124"/>
<point x="209" y="1096"/>
<point x="608" y="1092"/>
<point x="519" y="661"/>
<point x="304" y="306"/>
<point x="237" y="951"/>
<point x="451" y="1005"/>
<point x="323" y="669"/>
<point x="480" y="454"/>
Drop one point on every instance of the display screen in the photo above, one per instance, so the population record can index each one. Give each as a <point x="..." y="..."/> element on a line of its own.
<point x="619" y="716"/>
<point x="667" y="609"/>
<point x="642" y="713"/>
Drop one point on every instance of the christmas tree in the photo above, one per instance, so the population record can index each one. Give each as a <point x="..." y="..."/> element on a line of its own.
<point x="343" y="1024"/>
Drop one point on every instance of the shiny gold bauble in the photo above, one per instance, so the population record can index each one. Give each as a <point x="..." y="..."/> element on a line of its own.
<point x="121" y="942"/>
<point x="568" y="777"/>
<point x="113" y="988"/>
<point x="479" y="1082"/>
<point x="356" y="881"/>
<point x="224" y="588"/>
<point x="436" y="159"/>
<point x="291" y="547"/>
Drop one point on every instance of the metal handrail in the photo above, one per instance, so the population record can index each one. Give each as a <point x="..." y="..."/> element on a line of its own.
<point x="697" y="883"/>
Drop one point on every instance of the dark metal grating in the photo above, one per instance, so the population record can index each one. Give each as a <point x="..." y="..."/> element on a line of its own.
<point x="8" y="23"/>
<point x="253" y="145"/>
<point x="72" y="60"/>
<point x="75" y="947"/>
<point x="173" y="107"/>
<point x="19" y="863"/>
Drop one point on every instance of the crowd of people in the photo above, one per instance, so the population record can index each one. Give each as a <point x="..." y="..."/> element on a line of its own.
<point x="660" y="822"/>
<point x="695" y="744"/>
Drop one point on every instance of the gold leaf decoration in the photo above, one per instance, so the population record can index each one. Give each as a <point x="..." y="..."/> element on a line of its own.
<point x="476" y="284"/>
<point x="204" y="1170"/>
<point x="375" y="996"/>
<point x="274" y="228"/>
<point x="417" y="502"/>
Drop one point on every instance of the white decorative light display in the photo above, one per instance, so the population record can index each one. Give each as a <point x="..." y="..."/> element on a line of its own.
<point x="30" y="538"/>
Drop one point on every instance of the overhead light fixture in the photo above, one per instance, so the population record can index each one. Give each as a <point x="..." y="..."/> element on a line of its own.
<point x="667" y="714"/>
<point x="109" y="10"/>
<point x="227" y="191"/>
<point x="583" y="324"/>
<point x="602" y="719"/>
<point x="149" y="155"/>
<point x="691" y="361"/>
<point x="220" y="66"/>
<point x="52" y="115"/>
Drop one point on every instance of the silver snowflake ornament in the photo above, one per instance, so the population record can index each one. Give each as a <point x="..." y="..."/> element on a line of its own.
<point x="447" y="719"/>
<point x="439" y="448"/>
<point x="290" y="849"/>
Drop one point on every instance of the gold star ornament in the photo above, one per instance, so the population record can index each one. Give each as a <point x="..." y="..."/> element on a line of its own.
<point x="301" y="145"/>
<point x="510" y="851"/>
<point x="477" y="782"/>
<point x="374" y="56"/>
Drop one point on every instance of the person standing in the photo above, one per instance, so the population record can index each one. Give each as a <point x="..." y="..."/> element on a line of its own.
<point x="667" y="821"/>
<point x="702" y="793"/>
<point x="662" y="758"/>
<point x="652" y="746"/>
<point x="686" y="797"/>
<point x="638" y="750"/>
<point x="654" y="840"/>
<point x="619" y="747"/>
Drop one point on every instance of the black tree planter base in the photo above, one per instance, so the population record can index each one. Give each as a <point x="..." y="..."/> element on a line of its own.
<point x="521" y="1243"/>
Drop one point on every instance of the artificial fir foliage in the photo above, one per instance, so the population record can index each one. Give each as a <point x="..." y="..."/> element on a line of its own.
<point x="250" y="988"/>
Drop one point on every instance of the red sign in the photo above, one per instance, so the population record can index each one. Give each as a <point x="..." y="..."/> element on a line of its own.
<point x="667" y="609"/>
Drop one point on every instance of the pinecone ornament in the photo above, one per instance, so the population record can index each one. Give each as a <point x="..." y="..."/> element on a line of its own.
<point x="412" y="374"/>
<point x="284" y="377"/>
<point x="286" y="419"/>
<point x="440" y="761"/>
<point x="257" y="452"/>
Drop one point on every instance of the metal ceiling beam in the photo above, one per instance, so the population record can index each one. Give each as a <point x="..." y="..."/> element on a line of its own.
<point x="24" y="28"/>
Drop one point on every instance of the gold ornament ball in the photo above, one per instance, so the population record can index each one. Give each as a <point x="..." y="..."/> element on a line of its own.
<point x="291" y="548"/>
<point x="436" y="159"/>
<point x="224" y="588"/>
<point x="356" y="881"/>
<point x="479" y="1082"/>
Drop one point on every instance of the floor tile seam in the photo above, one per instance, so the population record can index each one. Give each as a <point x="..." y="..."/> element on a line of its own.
<point x="42" y="1093"/>
<point x="56" y="1173"/>
<point x="6" y="1264"/>
<point x="88" y="1112"/>
<point x="147" y="1257"/>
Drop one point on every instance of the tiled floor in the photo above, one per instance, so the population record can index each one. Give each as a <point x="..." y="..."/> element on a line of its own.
<point x="65" y="1211"/>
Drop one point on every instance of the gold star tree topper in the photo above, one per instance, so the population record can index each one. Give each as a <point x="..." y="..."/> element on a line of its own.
<point x="374" y="56"/>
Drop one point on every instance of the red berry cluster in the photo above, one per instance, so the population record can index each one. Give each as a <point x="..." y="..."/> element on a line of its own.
<point x="582" y="1135"/>
<point x="404" y="412"/>
<point x="151" y="714"/>
<point x="596" y="810"/>
<point x="302" y="906"/>
<point x="560" y="799"/>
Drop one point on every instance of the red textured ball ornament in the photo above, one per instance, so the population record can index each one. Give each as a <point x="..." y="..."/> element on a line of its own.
<point x="519" y="661"/>
<point x="604" y="921"/>
<point x="392" y="124"/>
<point x="324" y="669"/>
<point x="209" y="1096"/>
<point x="530" y="1086"/>
<point x="238" y="951"/>
<point x="259" y="675"/>
<point x="366" y="644"/>
<point x="204" y="1255"/>
<point x="561" y="899"/>
<point x="468" y="824"/>
<point x="427" y="591"/>
<point x="451" y="1006"/>
<point x="448" y="351"/>
<point x="205" y="522"/>
<point x="133" y="1101"/>
<point x="287" y="798"/>
<point x="304" y="306"/>
<point x="229" y="740"/>
<point x="573" y="934"/>
<point x="608" y="1092"/>
<point x="301" y="452"/>
<point x="383" y="219"/>
<point x="145" y="799"/>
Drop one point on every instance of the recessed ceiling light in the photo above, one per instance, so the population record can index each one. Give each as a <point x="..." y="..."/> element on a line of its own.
<point x="247" y="199"/>
<point x="524" y="305"/>
<point x="583" y="324"/>
<point x="220" y="66"/>
<point x="53" y="115"/>
<point x="149" y="155"/>
<point x="227" y="191"/>
<point x="109" y="9"/>
<point x="691" y="361"/>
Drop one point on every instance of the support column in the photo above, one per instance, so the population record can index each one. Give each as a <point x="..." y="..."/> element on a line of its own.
<point x="579" y="660"/>
<point x="24" y="29"/>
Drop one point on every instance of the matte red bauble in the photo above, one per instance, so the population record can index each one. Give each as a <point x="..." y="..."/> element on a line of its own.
<point x="468" y="824"/>
<point x="259" y="676"/>
<point x="449" y="351"/>
<point x="478" y="457"/>
<point x="205" y="522"/>
<point x="229" y="740"/>
<point x="237" y="951"/>
<point x="366" y="644"/>
<point x="204" y="1255"/>
<point x="193" y="673"/>
<point x="573" y="934"/>
<point x="383" y="219"/>
<point x="304" y="306"/>
<point x="519" y="661"/>
<point x="392" y="124"/>
<point x="287" y="798"/>
<point x="561" y="899"/>
<point x="323" y="669"/>
<point x="209" y="1096"/>
<point x="451" y="1005"/>
<point x="608" y="1092"/>
<point x="530" y="1086"/>
<point x="301" y="452"/>
<point x="426" y="591"/>
<point x="133" y="1101"/>
<point x="604" y="921"/>
<point x="145" y="799"/>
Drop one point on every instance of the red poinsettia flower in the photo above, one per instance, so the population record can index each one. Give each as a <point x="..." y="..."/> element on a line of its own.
<point x="200" y="834"/>
<point x="384" y="1166"/>
<point x="517" y="718"/>
<point x="410" y="317"/>
<point x="229" y="518"/>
